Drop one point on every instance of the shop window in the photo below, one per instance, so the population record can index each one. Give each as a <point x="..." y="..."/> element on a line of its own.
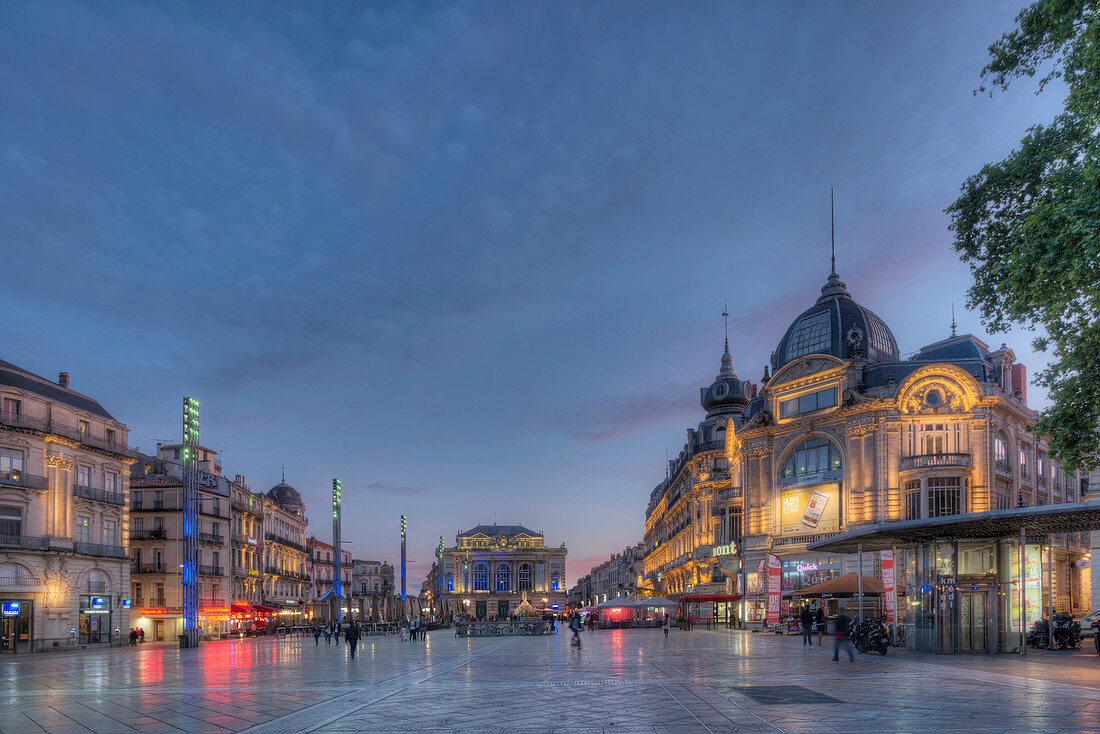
<point x="811" y="457"/>
<point x="944" y="496"/>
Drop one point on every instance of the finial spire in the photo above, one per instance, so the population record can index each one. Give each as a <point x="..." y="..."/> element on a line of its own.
<point x="953" y="324"/>
<point x="832" y="231"/>
<point x="284" y="475"/>
<point x="726" y="319"/>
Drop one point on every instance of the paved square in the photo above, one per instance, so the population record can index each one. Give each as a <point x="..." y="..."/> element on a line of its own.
<point x="621" y="681"/>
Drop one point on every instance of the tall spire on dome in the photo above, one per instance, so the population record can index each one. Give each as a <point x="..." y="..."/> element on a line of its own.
<point x="727" y="358"/>
<point x="834" y="286"/>
<point x="953" y="324"/>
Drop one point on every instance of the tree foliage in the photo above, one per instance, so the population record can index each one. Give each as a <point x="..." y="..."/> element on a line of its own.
<point x="1029" y="225"/>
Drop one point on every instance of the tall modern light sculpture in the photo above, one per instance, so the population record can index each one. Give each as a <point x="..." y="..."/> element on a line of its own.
<point x="404" y="525"/>
<point x="337" y="595"/>
<point x="189" y="555"/>
<point x="442" y="583"/>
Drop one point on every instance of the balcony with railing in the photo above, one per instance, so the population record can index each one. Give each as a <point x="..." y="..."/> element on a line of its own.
<point x="21" y="479"/>
<point x="210" y="570"/>
<point x="12" y="419"/>
<point x="20" y="581"/>
<point x="156" y="506"/>
<point x="148" y="568"/>
<point x="211" y="538"/>
<point x="25" y="542"/>
<point x="935" y="461"/>
<point x="154" y="534"/>
<point x="285" y="541"/>
<point x="243" y="506"/>
<point x="98" y="495"/>
<point x="98" y="549"/>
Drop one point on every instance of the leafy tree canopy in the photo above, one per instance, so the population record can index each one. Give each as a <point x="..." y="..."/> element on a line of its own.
<point x="1029" y="225"/>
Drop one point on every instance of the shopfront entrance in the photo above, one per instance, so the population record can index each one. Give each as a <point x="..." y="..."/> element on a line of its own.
<point x="481" y="609"/>
<point x="95" y="619"/>
<point x="15" y="626"/>
<point x="502" y="610"/>
<point x="974" y="617"/>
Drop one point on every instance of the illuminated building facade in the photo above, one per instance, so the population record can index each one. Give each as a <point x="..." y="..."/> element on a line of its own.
<point x="485" y="573"/>
<point x="156" y="541"/>
<point x="246" y="538"/>
<point x="64" y="481"/>
<point x="696" y="510"/>
<point x="321" y="570"/>
<point x="846" y="433"/>
<point x="372" y="588"/>
<point x="619" y="575"/>
<point x="285" y="581"/>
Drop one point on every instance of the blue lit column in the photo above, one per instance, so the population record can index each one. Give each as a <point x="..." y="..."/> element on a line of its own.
<point x="189" y="556"/>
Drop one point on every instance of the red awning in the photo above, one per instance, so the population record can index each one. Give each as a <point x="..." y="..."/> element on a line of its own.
<point x="689" y="598"/>
<point x="241" y="606"/>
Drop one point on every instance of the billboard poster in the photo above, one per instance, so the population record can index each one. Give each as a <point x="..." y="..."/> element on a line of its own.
<point x="810" y="509"/>
<point x="1033" y="588"/>
<point x="775" y="577"/>
<point x="890" y="595"/>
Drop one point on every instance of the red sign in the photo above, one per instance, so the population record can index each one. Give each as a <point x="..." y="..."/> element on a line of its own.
<point x="889" y="593"/>
<point x="156" y="612"/>
<point x="775" y="570"/>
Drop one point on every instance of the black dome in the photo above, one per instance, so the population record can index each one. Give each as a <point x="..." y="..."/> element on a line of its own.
<point x="726" y="394"/>
<point x="839" y="326"/>
<point x="284" y="494"/>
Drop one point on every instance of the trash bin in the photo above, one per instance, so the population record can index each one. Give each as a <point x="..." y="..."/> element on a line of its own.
<point x="184" y="642"/>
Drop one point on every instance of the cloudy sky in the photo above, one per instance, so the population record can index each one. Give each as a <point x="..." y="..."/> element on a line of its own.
<point x="471" y="258"/>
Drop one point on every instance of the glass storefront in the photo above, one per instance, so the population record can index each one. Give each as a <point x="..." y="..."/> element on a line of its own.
<point x="15" y="626"/>
<point x="95" y="619"/>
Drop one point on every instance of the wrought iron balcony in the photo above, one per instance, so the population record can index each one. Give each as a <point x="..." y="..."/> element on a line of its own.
<point x="26" y="542"/>
<point x="148" y="568"/>
<point x="99" y="495"/>
<point x="16" y="420"/>
<point x="285" y="541"/>
<point x="935" y="461"/>
<point x="211" y="538"/>
<point x="154" y="534"/>
<point x="23" y="580"/>
<point x="210" y="570"/>
<point x="19" y="478"/>
<point x="96" y="549"/>
<point x="252" y="509"/>
<point x="155" y="506"/>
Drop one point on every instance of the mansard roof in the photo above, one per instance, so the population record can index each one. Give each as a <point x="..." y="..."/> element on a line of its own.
<point x="21" y="379"/>
<point x="496" y="530"/>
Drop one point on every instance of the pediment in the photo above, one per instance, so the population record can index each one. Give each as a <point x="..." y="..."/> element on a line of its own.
<point x="804" y="367"/>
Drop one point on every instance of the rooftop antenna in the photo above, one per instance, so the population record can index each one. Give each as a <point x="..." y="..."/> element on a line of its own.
<point x="953" y="324"/>
<point x="832" y="229"/>
<point x="726" y="319"/>
<point x="284" y="475"/>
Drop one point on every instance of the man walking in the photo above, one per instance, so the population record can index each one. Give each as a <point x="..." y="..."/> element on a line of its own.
<point x="819" y="621"/>
<point x="841" y="638"/>
<point x="575" y="625"/>
<point x="806" y="619"/>
<point x="351" y="635"/>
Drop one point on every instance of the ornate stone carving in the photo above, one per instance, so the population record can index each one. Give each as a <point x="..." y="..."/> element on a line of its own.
<point x="861" y="429"/>
<point x="10" y="438"/>
<point x="58" y="462"/>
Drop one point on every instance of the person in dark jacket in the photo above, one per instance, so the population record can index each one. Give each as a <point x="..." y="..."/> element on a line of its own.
<point x="819" y="621"/>
<point x="351" y="636"/>
<point x="841" y="638"/>
<point x="806" y="619"/>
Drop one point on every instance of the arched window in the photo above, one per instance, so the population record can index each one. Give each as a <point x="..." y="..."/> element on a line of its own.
<point x="523" y="580"/>
<point x="1000" y="451"/>
<point x="504" y="577"/>
<point x="481" y="577"/>
<point x="450" y="582"/>
<point x="811" y="457"/>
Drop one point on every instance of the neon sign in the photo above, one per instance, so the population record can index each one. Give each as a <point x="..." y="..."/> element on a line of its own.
<point x="12" y="608"/>
<point x="807" y="567"/>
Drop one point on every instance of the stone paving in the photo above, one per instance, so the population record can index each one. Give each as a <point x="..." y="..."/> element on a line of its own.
<point x="619" y="682"/>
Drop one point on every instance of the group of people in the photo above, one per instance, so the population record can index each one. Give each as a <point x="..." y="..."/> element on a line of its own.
<point x="418" y="627"/>
<point x="349" y="630"/>
<point x="814" y="621"/>
<point x="136" y="635"/>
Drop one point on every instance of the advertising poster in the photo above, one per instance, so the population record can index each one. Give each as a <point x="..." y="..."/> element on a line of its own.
<point x="810" y="509"/>
<point x="890" y="595"/>
<point x="775" y="577"/>
<point x="1033" y="589"/>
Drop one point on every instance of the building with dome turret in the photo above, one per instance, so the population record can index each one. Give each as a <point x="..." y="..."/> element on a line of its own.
<point x="285" y="580"/>
<point x="845" y="433"/>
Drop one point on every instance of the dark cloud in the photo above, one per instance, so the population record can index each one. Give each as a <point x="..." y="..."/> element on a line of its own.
<point x="394" y="489"/>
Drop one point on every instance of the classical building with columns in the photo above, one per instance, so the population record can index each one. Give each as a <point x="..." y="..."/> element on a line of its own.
<point x="485" y="574"/>
<point x="64" y="481"/>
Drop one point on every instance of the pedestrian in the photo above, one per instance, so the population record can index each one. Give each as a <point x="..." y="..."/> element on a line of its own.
<point x="414" y="627"/>
<point x="806" y="619"/>
<point x="664" y="624"/>
<point x="328" y="634"/>
<point x="401" y="630"/>
<point x="316" y="635"/>
<point x="819" y="620"/>
<point x="841" y="638"/>
<point x="141" y="635"/>
<point x="133" y="638"/>
<point x="351" y="635"/>
<point x="575" y="625"/>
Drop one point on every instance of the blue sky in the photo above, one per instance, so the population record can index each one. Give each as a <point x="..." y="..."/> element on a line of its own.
<point x="471" y="258"/>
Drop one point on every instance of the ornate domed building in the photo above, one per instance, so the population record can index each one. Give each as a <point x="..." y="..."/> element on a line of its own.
<point x="285" y="581"/>
<point x="845" y="433"/>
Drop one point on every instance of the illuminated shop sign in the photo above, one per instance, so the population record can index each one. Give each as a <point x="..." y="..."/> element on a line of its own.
<point x="12" y="608"/>
<point x="803" y="568"/>
<point x="730" y="549"/>
<point x="97" y="602"/>
<point x="806" y="509"/>
<point x="127" y="603"/>
<point x="157" y="612"/>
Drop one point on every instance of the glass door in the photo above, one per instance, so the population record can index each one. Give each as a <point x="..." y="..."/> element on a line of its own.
<point x="972" y="621"/>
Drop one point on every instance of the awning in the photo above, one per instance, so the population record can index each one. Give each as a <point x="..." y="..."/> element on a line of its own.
<point x="1067" y="517"/>
<point x="840" y="587"/>
<point x="692" y="598"/>
<point x="619" y="602"/>
<point x="657" y="601"/>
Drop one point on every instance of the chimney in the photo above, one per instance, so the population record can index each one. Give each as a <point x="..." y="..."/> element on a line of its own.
<point x="63" y="379"/>
<point x="1019" y="381"/>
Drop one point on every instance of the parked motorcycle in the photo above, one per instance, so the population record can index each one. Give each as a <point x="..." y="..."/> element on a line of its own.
<point x="1066" y="632"/>
<point x="1039" y="635"/>
<point x="1096" y="634"/>
<point x="870" y="635"/>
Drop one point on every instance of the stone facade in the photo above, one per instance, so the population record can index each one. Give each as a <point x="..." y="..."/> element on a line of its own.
<point x="64" y="520"/>
<point x="490" y="566"/>
<point x="285" y="580"/>
<point x="619" y="575"/>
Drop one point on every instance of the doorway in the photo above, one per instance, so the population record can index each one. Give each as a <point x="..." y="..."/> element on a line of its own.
<point x="973" y="621"/>
<point x="480" y="610"/>
<point x="158" y="630"/>
<point x="502" y="610"/>
<point x="15" y="627"/>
